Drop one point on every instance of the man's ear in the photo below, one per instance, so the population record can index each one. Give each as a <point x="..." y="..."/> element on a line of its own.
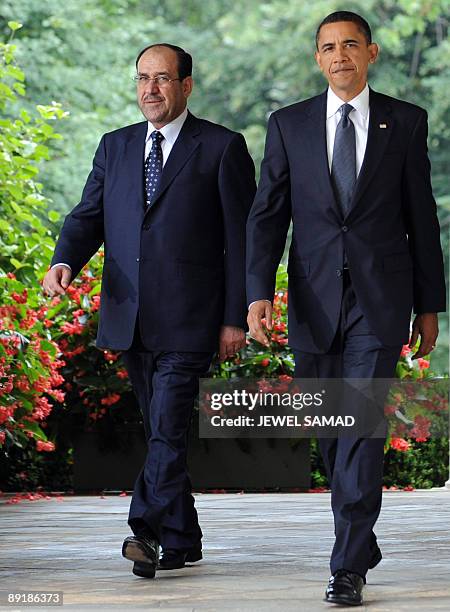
<point x="318" y="60"/>
<point x="373" y="52"/>
<point x="188" y="84"/>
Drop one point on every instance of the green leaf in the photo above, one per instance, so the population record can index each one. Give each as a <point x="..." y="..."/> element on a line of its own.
<point x="54" y="216"/>
<point x="14" y="25"/>
<point x="16" y="263"/>
<point x="35" y="429"/>
<point x="16" y="73"/>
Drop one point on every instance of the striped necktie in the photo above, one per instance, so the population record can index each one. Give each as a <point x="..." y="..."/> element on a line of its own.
<point x="343" y="167"/>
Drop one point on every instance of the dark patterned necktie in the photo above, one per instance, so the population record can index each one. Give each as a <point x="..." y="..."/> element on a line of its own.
<point x="343" y="167"/>
<point x="153" y="167"/>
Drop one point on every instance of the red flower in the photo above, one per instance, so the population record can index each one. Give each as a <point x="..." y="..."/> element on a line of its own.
<point x="2" y="437"/>
<point x="405" y="351"/>
<point x="20" y="298"/>
<point x="110" y="356"/>
<point x="122" y="374"/>
<point x="7" y="385"/>
<point x="390" y="409"/>
<point x="23" y="384"/>
<point x="74" y="293"/>
<point x="400" y="444"/>
<point x="42" y="408"/>
<point x="44" y="446"/>
<point x="58" y="395"/>
<point x="423" y="363"/>
<point x="40" y="385"/>
<point x="281" y="327"/>
<point x="113" y="398"/>
<point x="5" y="413"/>
<point x="72" y="328"/>
<point x="421" y="431"/>
<point x="76" y="351"/>
<point x="265" y="362"/>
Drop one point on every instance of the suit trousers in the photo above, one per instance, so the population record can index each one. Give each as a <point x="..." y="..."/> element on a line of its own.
<point x="166" y="385"/>
<point x="354" y="465"/>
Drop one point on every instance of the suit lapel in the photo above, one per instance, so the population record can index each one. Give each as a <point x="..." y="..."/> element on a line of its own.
<point x="134" y="163"/>
<point x="381" y="125"/>
<point x="184" y="147"/>
<point x="317" y="149"/>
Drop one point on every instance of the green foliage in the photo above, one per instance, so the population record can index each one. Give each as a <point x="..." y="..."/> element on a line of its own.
<point x="26" y="243"/>
<point x="250" y="58"/>
<point x="422" y="467"/>
<point x="256" y="361"/>
<point x="28" y="356"/>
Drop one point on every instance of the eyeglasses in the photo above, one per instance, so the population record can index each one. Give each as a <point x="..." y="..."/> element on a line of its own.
<point x="161" y="80"/>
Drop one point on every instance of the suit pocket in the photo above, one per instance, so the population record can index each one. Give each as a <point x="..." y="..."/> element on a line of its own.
<point x="298" y="267"/>
<point x="396" y="262"/>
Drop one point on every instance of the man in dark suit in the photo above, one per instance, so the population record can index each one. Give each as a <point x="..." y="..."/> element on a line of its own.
<point x="350" y="168"/>
<point x="168" y="198"/>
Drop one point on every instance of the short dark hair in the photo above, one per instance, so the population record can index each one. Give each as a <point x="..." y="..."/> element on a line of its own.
<point x="184" y="58"/>
<point x="362" y="24"/>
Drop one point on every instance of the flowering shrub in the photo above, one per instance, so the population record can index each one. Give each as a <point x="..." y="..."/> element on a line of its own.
<point x="52" y="377"/>
<point x="257" y="361"/>
<point x="29" y="357"/>
<point x="96" y="383"/>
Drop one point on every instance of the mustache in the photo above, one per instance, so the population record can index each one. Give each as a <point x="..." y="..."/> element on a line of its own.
<point x="152" y="99"/>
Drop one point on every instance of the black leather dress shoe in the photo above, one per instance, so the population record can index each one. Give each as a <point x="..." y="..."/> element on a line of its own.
<point x="144" y="551"/>
<point x="376" y="558"/>
<point x="345" y="588"/>
<point x="172" y="558"/>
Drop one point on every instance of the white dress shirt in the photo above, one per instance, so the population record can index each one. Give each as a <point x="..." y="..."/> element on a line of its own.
<point x="170" y="132"/>
<point x="360" y="118"/>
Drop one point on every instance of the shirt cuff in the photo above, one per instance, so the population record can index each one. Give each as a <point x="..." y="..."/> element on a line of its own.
<point x="61" y="264"/>
<point x="251" y="303"/>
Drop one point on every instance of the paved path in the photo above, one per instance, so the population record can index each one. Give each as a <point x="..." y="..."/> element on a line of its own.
<point x="262" y="552"/>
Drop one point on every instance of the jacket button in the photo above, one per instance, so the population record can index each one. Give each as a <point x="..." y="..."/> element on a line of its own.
<point x="338" y="272"/>
<point x="137" y="259"/>
<point x="344" y="228"/>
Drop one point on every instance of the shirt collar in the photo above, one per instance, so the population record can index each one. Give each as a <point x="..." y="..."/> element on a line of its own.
<point x="171" y="130"/>
<point x="359" y="102"/>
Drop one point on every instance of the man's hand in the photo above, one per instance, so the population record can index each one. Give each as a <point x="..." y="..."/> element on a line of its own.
<point x="425" y="325"/>
<point x="57" y="280"/>
<point x="262" y="309"/>
<point x="231" y="340"/>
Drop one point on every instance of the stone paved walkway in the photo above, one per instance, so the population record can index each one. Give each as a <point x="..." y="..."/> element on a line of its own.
<point x="262" y="552"/>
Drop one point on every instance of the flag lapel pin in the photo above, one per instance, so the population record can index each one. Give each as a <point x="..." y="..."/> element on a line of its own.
<point x="383" y="126"/>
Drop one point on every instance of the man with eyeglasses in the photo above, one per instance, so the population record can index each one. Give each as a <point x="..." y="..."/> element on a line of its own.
<point x="168" y="198"/>
<point x="350" y="168"/>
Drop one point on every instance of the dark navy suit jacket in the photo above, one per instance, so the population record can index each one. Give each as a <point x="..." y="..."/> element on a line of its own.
<point x="390" y="235"/>
<point x="181" y="263"/>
